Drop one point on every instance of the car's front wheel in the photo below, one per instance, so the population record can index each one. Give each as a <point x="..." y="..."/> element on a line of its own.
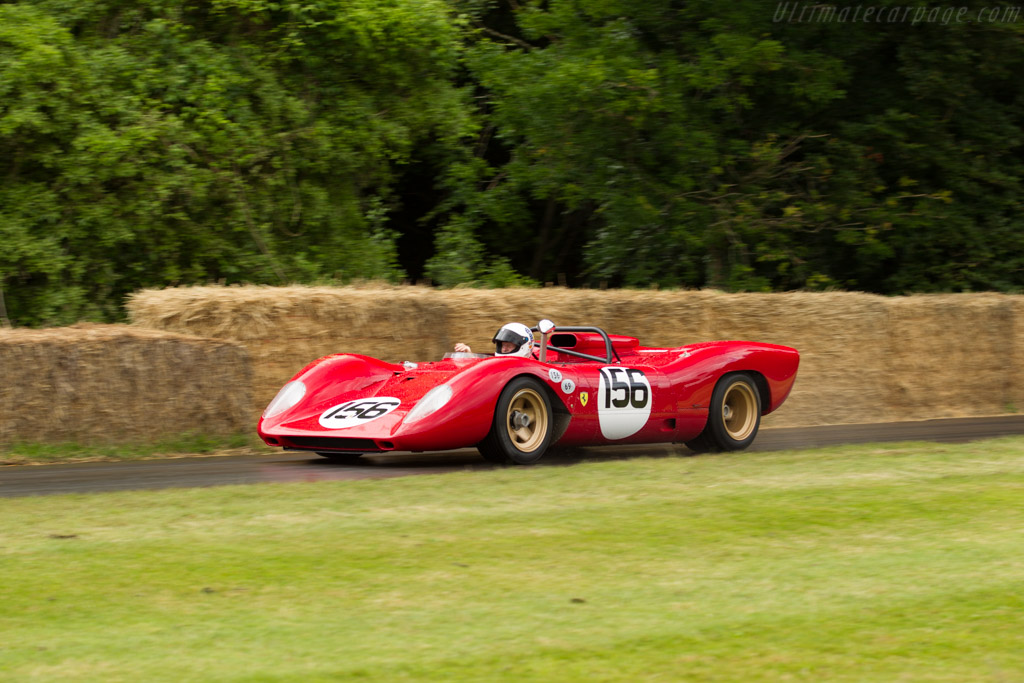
<point x="523" y="425"/>
<point x="734" y="416"/>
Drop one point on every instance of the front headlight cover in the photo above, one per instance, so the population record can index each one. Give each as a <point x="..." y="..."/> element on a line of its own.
<point x="289" y="395"/>
<point x="432" y="401"/>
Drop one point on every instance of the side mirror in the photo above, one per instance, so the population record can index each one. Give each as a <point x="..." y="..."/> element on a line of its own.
<point x="546" y="326"/>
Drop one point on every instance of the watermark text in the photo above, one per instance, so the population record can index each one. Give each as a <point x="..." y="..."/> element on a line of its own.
<point x="809" y="13"/>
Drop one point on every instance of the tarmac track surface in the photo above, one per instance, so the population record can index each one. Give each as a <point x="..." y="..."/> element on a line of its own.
<point x="91" y="477"/>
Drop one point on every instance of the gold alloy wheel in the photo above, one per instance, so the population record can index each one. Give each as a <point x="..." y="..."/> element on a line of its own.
<point x="739" y="411"/>
<point x="527" y="420"/>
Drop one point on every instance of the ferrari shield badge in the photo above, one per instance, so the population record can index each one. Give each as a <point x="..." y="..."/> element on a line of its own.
<point x="584" y="396"/>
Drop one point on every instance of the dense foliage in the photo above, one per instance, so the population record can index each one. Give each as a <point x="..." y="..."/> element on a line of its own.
<point x="157" y="142"/>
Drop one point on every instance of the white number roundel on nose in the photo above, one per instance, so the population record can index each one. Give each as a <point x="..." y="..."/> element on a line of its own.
<point x="357" y="412"/>
<point x="623" y="401"/>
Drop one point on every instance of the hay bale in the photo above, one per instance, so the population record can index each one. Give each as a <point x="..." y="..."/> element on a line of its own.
<point x="865" y="358"/>
<point x="656" y="318"/>
<point x="951" y="355"/>
<point x="842" y="342"/>
<point x="113" y="383"/>
<point x="284" y="328"/>
<point x="1016" y="370"/>
<point x="841" y="336"/>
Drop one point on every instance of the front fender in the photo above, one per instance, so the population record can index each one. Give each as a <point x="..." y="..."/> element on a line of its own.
<point x="467" y="417"/>
<point x="331" y="376"/>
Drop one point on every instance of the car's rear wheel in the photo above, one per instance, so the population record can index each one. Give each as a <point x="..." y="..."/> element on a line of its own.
<point x="523" y="425"/>
<point x="341" y="457"/>
<point x="734" y="416"/>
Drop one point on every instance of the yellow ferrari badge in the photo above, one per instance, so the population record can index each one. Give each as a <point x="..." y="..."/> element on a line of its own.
<point x="583" y="397"/>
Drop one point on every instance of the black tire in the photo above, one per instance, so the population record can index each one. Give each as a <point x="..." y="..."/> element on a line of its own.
<point x="344" y="458"/>
<point x="734" y="416"/>
<point x="513" y="440"/>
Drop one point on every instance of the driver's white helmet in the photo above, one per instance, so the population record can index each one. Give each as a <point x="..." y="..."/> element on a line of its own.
<point x="517" y="333"/>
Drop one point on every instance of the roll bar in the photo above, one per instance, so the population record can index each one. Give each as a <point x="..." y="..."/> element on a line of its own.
<point x="609" y="350"/>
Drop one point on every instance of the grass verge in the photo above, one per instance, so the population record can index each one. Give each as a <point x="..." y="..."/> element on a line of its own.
<point x="859" y="563"/>
<point x="184" y="445"/>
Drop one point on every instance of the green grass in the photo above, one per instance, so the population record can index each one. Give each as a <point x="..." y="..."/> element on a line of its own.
<point x="861" y="563"/>
<point x="186" y="444"/>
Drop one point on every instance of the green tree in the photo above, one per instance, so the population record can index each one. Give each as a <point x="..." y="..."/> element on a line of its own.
<point x="707" y="144"/>
<point x="159" y="142"/>
<point x="151" y="143"/>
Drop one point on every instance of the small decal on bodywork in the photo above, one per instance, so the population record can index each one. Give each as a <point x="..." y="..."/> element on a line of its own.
<point x="584" y="397"/>
<point x="555" y="375"/>
<point x="568" y="386"/>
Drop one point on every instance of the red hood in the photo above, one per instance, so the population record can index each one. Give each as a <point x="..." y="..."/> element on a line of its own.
<point x="339" y="379"/>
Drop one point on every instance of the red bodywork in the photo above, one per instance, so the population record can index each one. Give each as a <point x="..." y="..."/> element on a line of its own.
<point x="591" y="400"/>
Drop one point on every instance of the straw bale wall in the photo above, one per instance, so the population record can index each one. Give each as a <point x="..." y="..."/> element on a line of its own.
<point x="285" y="328"/>
<point x="115" y="383"/>
<point x="864" y="358"/>
<point x="951" y="355"/>
<point x="841" y="337"/>
<point x="1016" y="371"/>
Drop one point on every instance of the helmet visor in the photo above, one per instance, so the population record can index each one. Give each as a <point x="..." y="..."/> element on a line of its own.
<point x="506" y="335"/>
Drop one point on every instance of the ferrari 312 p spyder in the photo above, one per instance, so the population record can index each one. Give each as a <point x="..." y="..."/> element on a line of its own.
<point x="579" y="387"/>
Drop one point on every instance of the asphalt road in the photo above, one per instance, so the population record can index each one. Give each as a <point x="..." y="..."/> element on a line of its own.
<point x="37" y="480"/>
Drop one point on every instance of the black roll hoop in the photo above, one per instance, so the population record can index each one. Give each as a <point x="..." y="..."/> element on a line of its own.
<point x="611" y="355"/>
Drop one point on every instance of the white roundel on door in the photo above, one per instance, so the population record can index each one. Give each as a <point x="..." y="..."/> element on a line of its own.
<point x="623" y="401"/>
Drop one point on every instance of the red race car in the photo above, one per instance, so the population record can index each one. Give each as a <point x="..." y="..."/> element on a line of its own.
<point x="577" y="386"/>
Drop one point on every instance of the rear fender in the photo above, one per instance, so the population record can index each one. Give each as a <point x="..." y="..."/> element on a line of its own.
<point x="774" y="368"/>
